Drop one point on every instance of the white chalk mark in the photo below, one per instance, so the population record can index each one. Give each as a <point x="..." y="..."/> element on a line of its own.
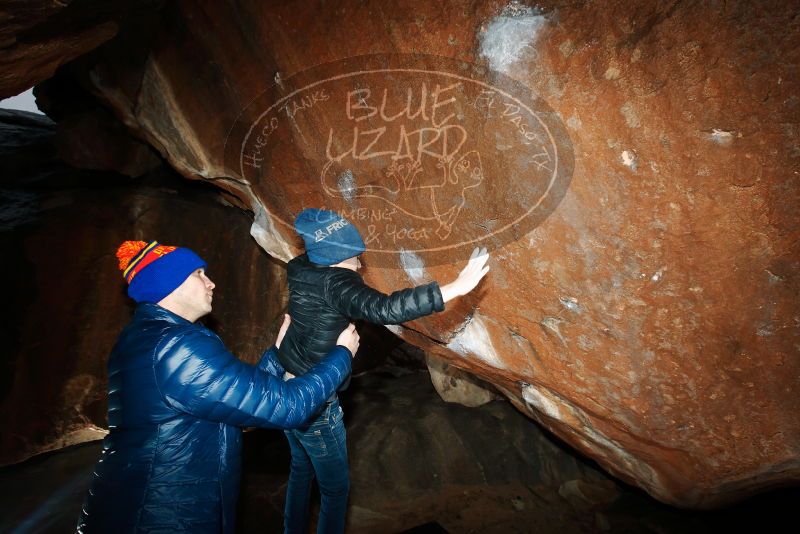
<point x="267" y="235"/>
<point x="347" y="185"/>
<point x="570" y="303"/>
<point x="721" y="137"/>
<point x="475" y="340"/>
<point x="552" y="324"/>
<point x="508" y="34"/>
<point x="538" y="400"/>
<point x="629" y="159"/>
<point x="413" y="266"/>
<point x="658" y="274"/>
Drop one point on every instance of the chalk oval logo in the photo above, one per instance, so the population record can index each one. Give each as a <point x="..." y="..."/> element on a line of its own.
<point x="426" y="156"/>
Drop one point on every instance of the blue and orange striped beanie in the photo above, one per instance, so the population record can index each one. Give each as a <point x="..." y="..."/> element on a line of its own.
<point x="153" y="270"/>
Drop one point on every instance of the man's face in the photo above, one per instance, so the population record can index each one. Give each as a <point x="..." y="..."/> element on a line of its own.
<point x="353" y="263"/>
<point x="194" y="295"/>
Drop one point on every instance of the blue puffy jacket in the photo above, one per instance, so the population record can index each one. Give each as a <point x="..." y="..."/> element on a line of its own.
<point x="177" y="399"/>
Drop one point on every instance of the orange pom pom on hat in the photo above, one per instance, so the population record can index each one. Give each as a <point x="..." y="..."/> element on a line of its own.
<point x="153" y="270"/>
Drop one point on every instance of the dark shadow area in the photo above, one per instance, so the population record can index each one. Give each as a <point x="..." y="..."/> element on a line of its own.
<point x="65" y="298"/>
<point x="418" y="465"/>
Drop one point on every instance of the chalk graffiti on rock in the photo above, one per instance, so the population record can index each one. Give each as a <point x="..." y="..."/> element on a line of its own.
<point x="424" y="154"/>
<point x="429" y="160"/>
<point x="253" y="157"/>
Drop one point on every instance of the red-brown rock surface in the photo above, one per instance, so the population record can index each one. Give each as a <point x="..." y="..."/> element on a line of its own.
<point x="642" y="213"/>
<point x="36" y="36"/>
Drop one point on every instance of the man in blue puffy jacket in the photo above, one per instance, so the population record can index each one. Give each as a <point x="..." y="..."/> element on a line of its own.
<point x="178" y="399"/>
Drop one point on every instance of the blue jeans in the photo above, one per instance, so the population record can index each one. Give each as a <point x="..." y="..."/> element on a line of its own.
<point x="319" y="449"/>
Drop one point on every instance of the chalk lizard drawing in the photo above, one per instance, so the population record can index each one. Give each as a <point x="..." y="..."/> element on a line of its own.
<point x="445" y="188"/>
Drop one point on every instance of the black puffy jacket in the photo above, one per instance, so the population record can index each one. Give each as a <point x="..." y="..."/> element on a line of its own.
<point x="323" y="300"/>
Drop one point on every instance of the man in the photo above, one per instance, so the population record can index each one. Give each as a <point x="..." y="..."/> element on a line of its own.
<point x="178" y="399"/>
<point x="325" y="294"/>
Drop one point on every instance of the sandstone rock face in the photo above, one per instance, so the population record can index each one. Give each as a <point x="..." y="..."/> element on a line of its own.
<point x="36" y="36"/>
<point x="634" y="170"/>
<point x="97" y="141"/>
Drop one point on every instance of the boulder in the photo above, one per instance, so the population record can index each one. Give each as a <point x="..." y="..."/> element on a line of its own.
<point x="632" y="169"/>
<point x="454" y="385"/>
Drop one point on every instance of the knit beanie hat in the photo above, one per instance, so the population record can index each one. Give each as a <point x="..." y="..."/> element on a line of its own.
<point x="153" y="271"/>
<point x="329" y="237"/>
